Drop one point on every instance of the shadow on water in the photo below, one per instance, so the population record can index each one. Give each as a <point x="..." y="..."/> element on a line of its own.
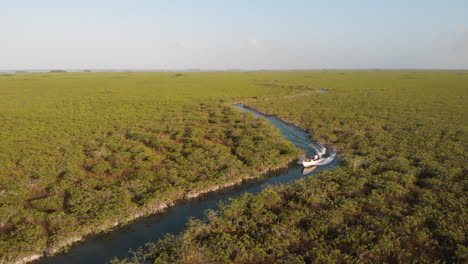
<point x="102" y="248"/>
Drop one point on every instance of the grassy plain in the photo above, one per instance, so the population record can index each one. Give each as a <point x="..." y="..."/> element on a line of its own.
<point x="82" y="152"/>
<point x="399" y="196"/>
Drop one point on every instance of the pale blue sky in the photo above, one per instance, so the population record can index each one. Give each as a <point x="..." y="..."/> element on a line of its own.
<point x="255" y="34"/>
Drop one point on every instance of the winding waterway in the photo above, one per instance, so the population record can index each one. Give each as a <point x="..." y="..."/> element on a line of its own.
<point x="102" y="248"/>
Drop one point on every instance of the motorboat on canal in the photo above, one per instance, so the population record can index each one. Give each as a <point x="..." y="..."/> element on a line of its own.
<point x="315" y="161"/>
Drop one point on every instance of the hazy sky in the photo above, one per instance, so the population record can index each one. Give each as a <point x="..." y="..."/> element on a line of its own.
<point x="250" y="34"/>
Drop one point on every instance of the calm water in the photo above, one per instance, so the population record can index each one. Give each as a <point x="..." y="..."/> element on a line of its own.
<point x="102" y="248"/>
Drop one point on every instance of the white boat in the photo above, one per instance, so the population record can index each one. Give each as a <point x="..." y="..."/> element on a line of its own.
<point x="316" y="160"/>
<point x="311" y="162"/>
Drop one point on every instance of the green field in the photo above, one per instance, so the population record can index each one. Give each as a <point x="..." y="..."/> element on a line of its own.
<point x="82" y="152"/>
<point x="399" y="196"/>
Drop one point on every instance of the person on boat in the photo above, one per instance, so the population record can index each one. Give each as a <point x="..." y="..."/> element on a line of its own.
<point x="316" y="157"/>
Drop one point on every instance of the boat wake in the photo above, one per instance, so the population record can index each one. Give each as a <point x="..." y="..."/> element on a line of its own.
<point x="299" y="138"/>
<point x="326" y="156"/>
<point x="326" y="160"/>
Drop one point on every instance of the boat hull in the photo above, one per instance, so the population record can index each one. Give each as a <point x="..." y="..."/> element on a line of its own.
<point x="311" y="163"/>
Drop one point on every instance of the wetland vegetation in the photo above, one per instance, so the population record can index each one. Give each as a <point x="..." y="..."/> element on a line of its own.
<point x="399" y="196"/>
<point x="83" y="152"/>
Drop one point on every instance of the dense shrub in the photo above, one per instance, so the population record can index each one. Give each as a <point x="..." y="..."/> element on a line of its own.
<point x="399" y="196"/>
<point x="80" y="152"/>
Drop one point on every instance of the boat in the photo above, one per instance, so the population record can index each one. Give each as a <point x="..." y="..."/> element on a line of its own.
<point x="307" y="162"/>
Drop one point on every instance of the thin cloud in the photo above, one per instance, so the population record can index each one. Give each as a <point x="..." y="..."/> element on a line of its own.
<point x="256" y="44"/>
<point x="182" y="44"/>
<point x="460" y="43"/>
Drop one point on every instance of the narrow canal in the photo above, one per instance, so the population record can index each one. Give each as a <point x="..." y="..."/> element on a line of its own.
<point x="117" y="243"/>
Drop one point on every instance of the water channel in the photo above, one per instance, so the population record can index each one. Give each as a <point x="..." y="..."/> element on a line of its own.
<point x="117" y="243"/>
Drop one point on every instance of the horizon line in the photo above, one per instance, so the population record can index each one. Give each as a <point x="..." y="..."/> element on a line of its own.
<point x="75" y="70"/>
